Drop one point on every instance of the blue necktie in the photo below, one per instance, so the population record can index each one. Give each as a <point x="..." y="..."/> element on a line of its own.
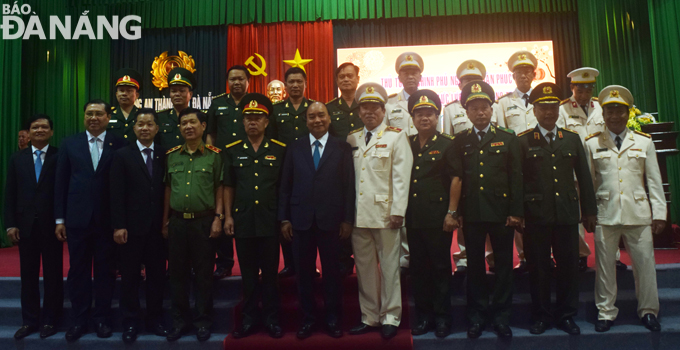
<point x="149" y="160"/>
<point x="94" y="153"/>
<point x="317" y="154"/>
<point x="38" y="164"/>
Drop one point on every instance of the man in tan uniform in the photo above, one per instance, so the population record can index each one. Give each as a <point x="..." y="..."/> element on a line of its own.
<point x="382" y="162"/>
<point x="621" y="161"/>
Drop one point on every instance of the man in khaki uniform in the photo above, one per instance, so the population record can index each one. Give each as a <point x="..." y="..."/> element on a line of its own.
<point x="621" y="161"/>
<point x="382" y="162"/>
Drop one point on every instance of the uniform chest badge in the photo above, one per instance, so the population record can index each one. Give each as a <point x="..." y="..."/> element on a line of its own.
<point x="270" y="157"/>
<point x="636" y="149"/>
<point x="602" y="150"/>
<point x="242" y="157"/>
<point x="220" y="108"/>
<point x="381" y="146"/>
<point x="497" y="144"/>
<point x="434" y="152"/>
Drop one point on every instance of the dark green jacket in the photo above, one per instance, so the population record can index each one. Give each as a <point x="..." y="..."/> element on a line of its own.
<point x="168" y="134"/>
<point x="492" y="175"/>
<point x="550" y="195"/>
<point x="121" y="127"/>
<point x="225" y="120"/>
<point x="286" y="124"/>
<point x="428" y="199"/>
<point x="255" y="178"/>
<point x="344" y="118"/>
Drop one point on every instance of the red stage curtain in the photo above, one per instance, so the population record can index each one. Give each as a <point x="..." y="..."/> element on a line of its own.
<point x="277" y="42"/>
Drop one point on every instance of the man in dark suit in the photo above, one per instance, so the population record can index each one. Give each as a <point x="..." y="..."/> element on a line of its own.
<point x="316" y="209"/>
<point x="82" y="213"/>
<point x="29" y="216"/>
<point x="137" y="193"/>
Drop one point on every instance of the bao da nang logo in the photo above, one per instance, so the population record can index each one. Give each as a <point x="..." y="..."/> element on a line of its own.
<point x="19" y="21"/>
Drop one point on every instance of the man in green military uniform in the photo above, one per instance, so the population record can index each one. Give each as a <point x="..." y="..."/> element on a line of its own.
<point x="551" y="206"/>
<point x="288" y="123"/>
<point x="251" y="180"/>
<point x="181" y="83"/>
<point x="225" y="125"/>
<point x="193" y="204"/>
<point x="128" y="84"/>
<point x="344" y="111"/>
<point x="488" y="160"/>
<point x="431" y="215"/>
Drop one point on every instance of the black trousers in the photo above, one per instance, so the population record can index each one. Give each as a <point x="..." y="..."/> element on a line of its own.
<point x="287" y="252"/>
<point x="147" y="249"/>
<point x="430" y="267"/>
<point x="225" y="252"/>
<point x="191" y="247"/>
<point x="91" y="253"/>
<point x="479" y="308"/>
<point x="42" y="243"/>
<point x="564" y="241"/>
<point x="345" y="257"/>
<point x="254" y="255"/>
<point x="305" y="244"/>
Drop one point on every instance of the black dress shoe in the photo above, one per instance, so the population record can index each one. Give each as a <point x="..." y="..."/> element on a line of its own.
<point x="158" y="330"/>
<point x="621" y="266"/>
<point x="603" y="325"/>
<point x="503" y="330"/>
<point x="275" y="331"/>
<point x="650" y="321"/>
<point x="442" y="329"/>
<point x="24" y="331"/>
<point x="362" y="328"/>
<point x="460" y="271"/>
<point x="176" y="333"/>
<point x="203" y="334"/>
<point x="334" y="330"/>
<point x="568" y="325"/>
<point x="521" y="268"/>
<point x="74" y="333"/>
<point x="388" y="331"/>
<point x="103" y="330"/>
<point x="306" y="331"/>
<point x="244" y="331"/>
<point x="492" y="269"/>
<point x="221" y="273"/>
<point x="539" y="327"/>
<point x="422" y="328"/>
<point x="130" y="335"/>
<point x="475" y="331"/>
<point x="287" y="272"/>
<point x="583" y="263"/>
<point x="48" y="330"/>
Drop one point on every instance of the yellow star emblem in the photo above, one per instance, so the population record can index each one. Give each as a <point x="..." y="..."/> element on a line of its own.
<point x="297" y="61"/>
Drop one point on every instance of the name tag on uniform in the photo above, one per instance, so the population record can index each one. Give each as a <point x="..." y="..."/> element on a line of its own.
<point x="496" y="144"/>
<point x="398" y="110"/>
<point x="284" y="114"/>
<point x="113" y="121"/>
<point x="602" y="150"/>
<point x="458" y="116"/>
<point x="534" y="148"/>
<point x="574" y="116"/>
<point x="242" y="157"/>
<point x="270" y="157"/>
<point x="380" y="146"/>
<point x="636" y="149"/>
<point x="222" y="107"/>
<point x="337" y="112"/>
<point x="434" y="152"/>
<point x="512" y="107"/>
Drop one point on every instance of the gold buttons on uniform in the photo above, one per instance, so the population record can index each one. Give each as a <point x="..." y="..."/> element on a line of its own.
<point x="203" y="169"/>
<point x="296" y="127"/>
<point x="337" y="118"/>
<point x="505" y="194"/>
<point x="415" y="181"/>
<point x="481" y="188"/>
<point x="619" y="156"/>
<point x="189" y="171"/>
<point x="620" y="180"/>
<point x="432" y="158"/>
<point x="554" y="168"/>
<point x="257" y="202"/>
<point x="188" y="183"/>
<point x="481" y="175"/>
<point x="296" y="118"/>
<point x="420" y="154"/>
<point x="256" y="187"/>
<point x="363" y="168"/>
<point x="415" y="195"/>
<point x="481" y="163"/>
<point x="191" y="160"/>
<point x="534" y="155"/>
<point x="361" y="193"/>
<point x="557" y="194"/>
<point x="233" y="134"/>
<point x="362" y="180"/>
<point x="256" y="174"/>
<point x="553" y="156"/>
<point x="256" y="161"/>
<point x="240" y="164"/>
<point x="555" y="180"/>
<point x="187" y="196"/>
<point x="234" y="120"/>
<point x="125" y="136"/>
<point x="621" y="192"/>
<point x="177" y="137"/>
<point x="481" y="152"/>
<point x="619" y="168"/>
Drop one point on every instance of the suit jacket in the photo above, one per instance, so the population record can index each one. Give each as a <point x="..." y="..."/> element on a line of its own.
<point x="383" y="172"/>
<point x="25" y="198"/>
<point x="550" y="195"/>
<point x="136" y="196"/>
<point x="81" y="193"/>
<point x="325" y="194"/>
<point x="619" y="177"/>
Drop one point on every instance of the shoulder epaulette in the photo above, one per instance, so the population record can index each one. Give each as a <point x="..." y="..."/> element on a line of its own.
<point x="355" y="131"/>
<point x="278" y="102"/>
<point x="506" y="95"/>
<point x="460" y="133"/>
<point x="333" y="100"/>
<point x="163" y="110"/>
<point x="575" y="132"/>
<point x="213" y="148"/>
<point x="593" y="135"/>
<point x="595" y="98"/>
<point x="393" y="95"/>
<point x="233" y="143"/>
<point x="173" y="149"/>
<point x="214" y="97"/>
<point x="450" y="103"/>
<point x="450" y="137"/>
<point x="392" y="128"/>
<point x="642" y="133"/>
<point x="278" y="142"/>
<point x="564" y="101"/>
<point x="310" y="100"/>
<point x="525" y="132"/>
<point x="509" y="131"/>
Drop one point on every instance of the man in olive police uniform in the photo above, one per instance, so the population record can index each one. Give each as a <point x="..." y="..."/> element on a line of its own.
<point x="225" y="125"/>
<point x="552" y="156"/>
<point x="193" y="205"/>
<point x="431" y="215"/>
<point x="488" y="160"/>
<point x="181" y="84"/>
<point x="288" y="123"/>
<point x="128" y="85"/>
<point x="251" y="180"/>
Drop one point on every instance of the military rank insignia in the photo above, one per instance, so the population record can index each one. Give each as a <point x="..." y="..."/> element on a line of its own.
<point x="270" y="157"/>
<point x="434" y="152"/>
<point x="497" y="144"/>
<point x="537" y="135"/>
<point x="559" y="134"/>
<point x="381" y="146"/>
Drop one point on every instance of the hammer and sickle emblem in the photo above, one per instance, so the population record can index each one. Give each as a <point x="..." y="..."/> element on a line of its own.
<point x="258" y="70"/>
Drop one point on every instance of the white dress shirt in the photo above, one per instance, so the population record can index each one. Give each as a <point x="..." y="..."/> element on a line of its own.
<point x="142" y="148"/>
<point x="100" y="144"/>
<point x="545" y="132"/>
<point x="322" y="140"/>
<point x="521" y="94"/>
<point x="622" y="135"/>
<point x="373" y="132"/>
<point x="42" y="155"/>
<point x="486" y="131"/>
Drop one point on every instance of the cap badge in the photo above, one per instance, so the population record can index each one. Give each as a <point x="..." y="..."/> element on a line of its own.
<point x="126" y="78"/>
<point x="424" y="99"/>
<point x="409" y="58"/>
<point x="253" y="104"/>
<point x="586" y="75"/>
<point x="614" y="93"/>
<point x="547" y="90"/>
<point x="370" y="90"/>
<point x="178" y="76"/>
<point x="522" y="57"/>
<point x="476" y="88"/>
<point x="471" y="66"/>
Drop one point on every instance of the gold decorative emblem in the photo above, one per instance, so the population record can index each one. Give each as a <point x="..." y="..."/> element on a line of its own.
<point x="126" y="78"/>
<point x="253" y="104"/>
<point x="586" y="75"/>
<point x="614" y="93"/>
<point x="476" y="88"/>
<point x="178" y="76"/>
<point x="424" y="99"/>
<point x="298" y="61"/>
<point x="163" y="64"/>
<point x="471" y="66"/>
<point x="259" y="70"/>
<point x="522" y="57"/>
<point x="370" y="90"/>
<point x="409" y="58"/>
<point x="547" y="90"/>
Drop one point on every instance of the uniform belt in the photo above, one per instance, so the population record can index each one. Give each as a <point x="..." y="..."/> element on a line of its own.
<point x="196" y="215"/>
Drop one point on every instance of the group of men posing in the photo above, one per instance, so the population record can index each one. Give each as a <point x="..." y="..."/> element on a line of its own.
<point x="365" y="175"/>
